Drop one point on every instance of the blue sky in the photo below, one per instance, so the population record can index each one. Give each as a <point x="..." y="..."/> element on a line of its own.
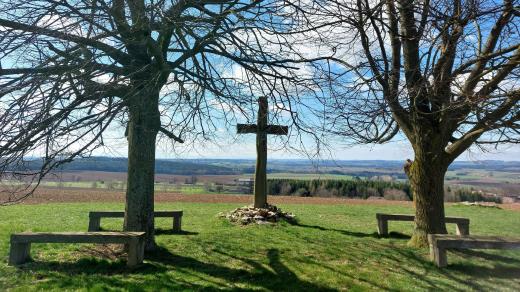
<point x="243" y="147"/>
<point x="390" y="151"/>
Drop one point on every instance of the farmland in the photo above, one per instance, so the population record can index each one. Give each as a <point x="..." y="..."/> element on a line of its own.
<point x="214" y="176"/>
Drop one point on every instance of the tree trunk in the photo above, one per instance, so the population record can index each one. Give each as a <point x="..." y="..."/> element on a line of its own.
<point x="426" y="176"/>
<point x="142" y="132"/>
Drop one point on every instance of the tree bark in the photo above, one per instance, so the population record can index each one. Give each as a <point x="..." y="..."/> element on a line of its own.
<point x="426" y="175"/>
<point x="144" y="122"/>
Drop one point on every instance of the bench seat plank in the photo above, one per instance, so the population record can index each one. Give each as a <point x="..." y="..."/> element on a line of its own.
<point x="477" y="242"/>
<point x="21" y="243"/>
<point x="382" y="222"/>
<point x="439" y="243"/>
<point x="74" y="237"/>
<point x="407" y="217"/>
<point x="95" y="218"/>
<point x="119" y="214"/>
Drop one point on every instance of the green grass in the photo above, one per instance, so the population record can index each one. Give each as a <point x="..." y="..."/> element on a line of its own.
<point x="332" y="248"/>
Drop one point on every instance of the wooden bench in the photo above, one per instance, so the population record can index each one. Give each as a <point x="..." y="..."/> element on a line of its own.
<point x="21" y="243"/>
<point x="439" y="243"/>
<point x="382" y="222"/>
<point x="95" y="218"/>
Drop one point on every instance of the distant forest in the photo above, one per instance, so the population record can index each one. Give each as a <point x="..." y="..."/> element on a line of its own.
<point x="360" y="188"/>
<point x="109" y="164"/>
<point x="360" y="168"/>
<point x="340" y="188"/>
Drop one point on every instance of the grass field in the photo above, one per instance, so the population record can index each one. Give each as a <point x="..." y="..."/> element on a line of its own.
<point x="333" y="247"/>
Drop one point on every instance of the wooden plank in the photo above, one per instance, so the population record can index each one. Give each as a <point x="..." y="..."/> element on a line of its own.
<point x="107" y="214"/>
<point x="382" y="222"/>
<point x="120" y="214"/>
<point x="76" y="237"/>
<point x="277" y="130"/>
<point x="168" y="213"/>
<point x="246" y="128"/>
<point x="439" y="243"/>
<point x="477" y="242"/>
<point x="95" y="218"/>
<point x="407" y="217"/>
<point x="395" y="217"/>
<point x="456" y="220"/>
<point x="269" y="129"/>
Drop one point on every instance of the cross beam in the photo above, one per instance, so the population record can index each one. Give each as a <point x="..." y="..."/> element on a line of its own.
<point x="261" y="129"/>
<point x="270" y="129"/>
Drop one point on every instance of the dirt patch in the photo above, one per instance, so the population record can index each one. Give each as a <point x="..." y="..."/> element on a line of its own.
<point x="96" y="176"/>
<point x="71" y="195"/>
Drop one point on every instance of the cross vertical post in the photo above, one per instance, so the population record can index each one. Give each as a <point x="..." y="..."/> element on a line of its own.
<point x="260" y="188"/>
<point x="261" y="129"/>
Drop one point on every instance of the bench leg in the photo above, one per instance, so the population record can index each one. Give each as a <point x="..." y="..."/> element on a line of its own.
<point x="20" y="253"/>
<point x="177" y="221"/>
<point x="135" y="253"/>
<point x="462" y="229"/>
<point x="140" y="251"/>
<point x="438" y="256"/>
<point x="382" y="227"/>
<point x="94" y="224"/>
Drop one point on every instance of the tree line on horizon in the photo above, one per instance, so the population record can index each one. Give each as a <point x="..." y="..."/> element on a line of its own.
<point x="364" y="189"/>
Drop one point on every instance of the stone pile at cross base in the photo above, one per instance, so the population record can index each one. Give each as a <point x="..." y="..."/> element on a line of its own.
<point x="249" y="214"/>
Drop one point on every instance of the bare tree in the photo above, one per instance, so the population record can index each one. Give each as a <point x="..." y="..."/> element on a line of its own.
<point x="73" y="70"/>
<point x="444" y="74"/>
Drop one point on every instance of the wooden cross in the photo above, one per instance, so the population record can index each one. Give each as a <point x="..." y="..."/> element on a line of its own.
<point x="261" y="129"/>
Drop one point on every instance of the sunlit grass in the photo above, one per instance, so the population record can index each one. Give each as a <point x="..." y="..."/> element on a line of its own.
<point x="333" y="247"/>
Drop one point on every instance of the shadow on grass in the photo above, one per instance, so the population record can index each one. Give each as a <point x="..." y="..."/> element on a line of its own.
<point x="153" y="274"/>
<point x="89" y="266"/>
<point x="160" y="231"/>
<point x="392" y="234"/>
<point x="276" y="277"/>
<point x="396" y="235"/>
<point x="164" y="270"/>
<point x="468" y="253"/>
<point x="497" y="271"/>
<point x="458" y="272"/>
<point x="455" y="273"/>
<point x="344" y="232"/>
